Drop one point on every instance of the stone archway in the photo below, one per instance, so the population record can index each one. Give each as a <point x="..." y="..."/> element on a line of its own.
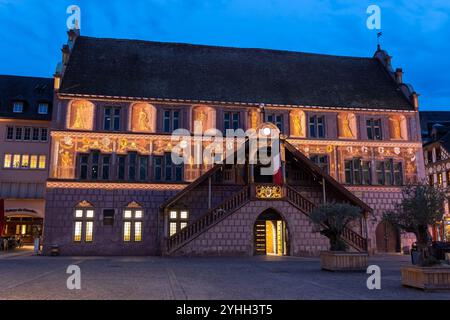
<point x="271" y="236"/>
<point x="387" y="237"/>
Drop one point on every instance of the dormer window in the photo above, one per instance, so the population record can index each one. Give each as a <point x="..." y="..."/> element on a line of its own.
<point x="18" y="107"/>
<point x="43" y="108"/>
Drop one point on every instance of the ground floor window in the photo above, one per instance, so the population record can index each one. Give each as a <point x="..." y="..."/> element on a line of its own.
<point x="178" y="220"/>
<point x="132" y="225"/>
<point x="84" y="223"/>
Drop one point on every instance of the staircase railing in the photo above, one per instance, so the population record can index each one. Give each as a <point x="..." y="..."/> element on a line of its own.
<point x="208" y="219"/>
<point x="351" y="237"/>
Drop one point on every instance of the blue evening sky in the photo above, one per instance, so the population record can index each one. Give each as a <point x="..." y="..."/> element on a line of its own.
<point x="415" y="32"/>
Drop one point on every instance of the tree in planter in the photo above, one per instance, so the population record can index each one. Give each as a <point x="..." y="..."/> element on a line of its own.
<point x="421" y="207"/>
<point x="331" y="219"/>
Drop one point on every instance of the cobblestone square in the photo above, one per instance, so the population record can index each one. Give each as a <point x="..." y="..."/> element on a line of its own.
<point x="273" y="278"/>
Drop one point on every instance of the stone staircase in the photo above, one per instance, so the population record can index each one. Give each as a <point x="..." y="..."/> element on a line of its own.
<point x="351" y="237"/>
<point x="209" y="219"/>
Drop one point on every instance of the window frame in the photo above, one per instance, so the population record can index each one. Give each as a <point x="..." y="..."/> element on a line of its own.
<point x="47" y="107"/>
<point x="132" y="221"/>
<point x="355" y="170"/>
<point x="18" y="103"/>
<point x="372" y="126"/>
<point x="115" y="114"/>
<point x="179" y="222"/>
<point x="316" y="128"/>
<point x="84" y="221"/>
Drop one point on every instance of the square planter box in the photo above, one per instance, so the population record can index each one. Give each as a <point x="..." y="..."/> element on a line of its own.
<point x="344" y="261"/>
<point x="428" y="278"/>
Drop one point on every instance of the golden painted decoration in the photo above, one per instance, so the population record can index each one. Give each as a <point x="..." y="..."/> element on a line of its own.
<point x="347" y="125"/>
<point x="298" y="123"/>
<point x="268" y="192"/>
<point x="81" y="115"/>
<point x="142" y="117"/>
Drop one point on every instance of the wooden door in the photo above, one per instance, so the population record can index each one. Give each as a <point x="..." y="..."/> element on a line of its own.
<point x="260" y="237"/>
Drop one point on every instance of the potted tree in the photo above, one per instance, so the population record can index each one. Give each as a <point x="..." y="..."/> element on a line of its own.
<point x="330" y="220"/>
<point x="420" y="208"/>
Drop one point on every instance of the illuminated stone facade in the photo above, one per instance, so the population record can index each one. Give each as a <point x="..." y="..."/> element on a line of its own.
<point x="110" y="149"/>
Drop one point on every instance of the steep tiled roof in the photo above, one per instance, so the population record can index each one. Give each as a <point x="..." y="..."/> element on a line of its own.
<point x="29" y="90"/>
<point x="144" y="69"/>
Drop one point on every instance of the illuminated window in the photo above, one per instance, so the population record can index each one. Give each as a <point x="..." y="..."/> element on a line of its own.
<point x="173" y="228"/>
<point x="178" y="220"/>
<point x="16" y="161"/>
<point x="128" y="214"/>
<point x="42" y="161"/>
<point x="18" y="107"/>
<point x="33" y="162"/>
<point x="137" y="231"/>
<point x="24" y="229"/>
<point x="89" y="230"/>
<point x="78" y="229"/>
<point x="440" y="181"/>
<point x="7" y="161"/>
<point x="25" y="161"/>
<point x="132" y="216"/>
<point x="127" y="231"/>
<point x="43" y="108"/>
<point x="84" y="222"/>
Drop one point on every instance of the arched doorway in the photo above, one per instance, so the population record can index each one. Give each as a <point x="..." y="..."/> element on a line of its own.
<point x="270" y="234"/>
<point x="388" y="237"/>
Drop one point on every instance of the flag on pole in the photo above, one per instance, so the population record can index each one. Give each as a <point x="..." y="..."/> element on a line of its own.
<point x="277" y="164"/>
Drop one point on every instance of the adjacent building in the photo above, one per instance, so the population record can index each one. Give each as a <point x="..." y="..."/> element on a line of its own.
<point x="349" y="127"/>
<point x="25" y="117"/>
<point x="436" y="148"/>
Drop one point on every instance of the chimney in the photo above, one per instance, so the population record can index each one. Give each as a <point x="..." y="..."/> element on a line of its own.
<point x="399" y="75"/>
<point x="65" y="54"/>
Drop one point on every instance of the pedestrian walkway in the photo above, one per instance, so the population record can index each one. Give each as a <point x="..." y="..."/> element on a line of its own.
<point x="23" y="251"/>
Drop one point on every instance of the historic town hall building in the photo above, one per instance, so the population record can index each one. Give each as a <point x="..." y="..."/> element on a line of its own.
<point x="349" y="132"/>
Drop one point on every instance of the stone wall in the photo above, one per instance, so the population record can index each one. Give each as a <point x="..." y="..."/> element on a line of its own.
<point x="235" y="235"/>
<point x="380" y="199"/>
<point x="107" y="240"/>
